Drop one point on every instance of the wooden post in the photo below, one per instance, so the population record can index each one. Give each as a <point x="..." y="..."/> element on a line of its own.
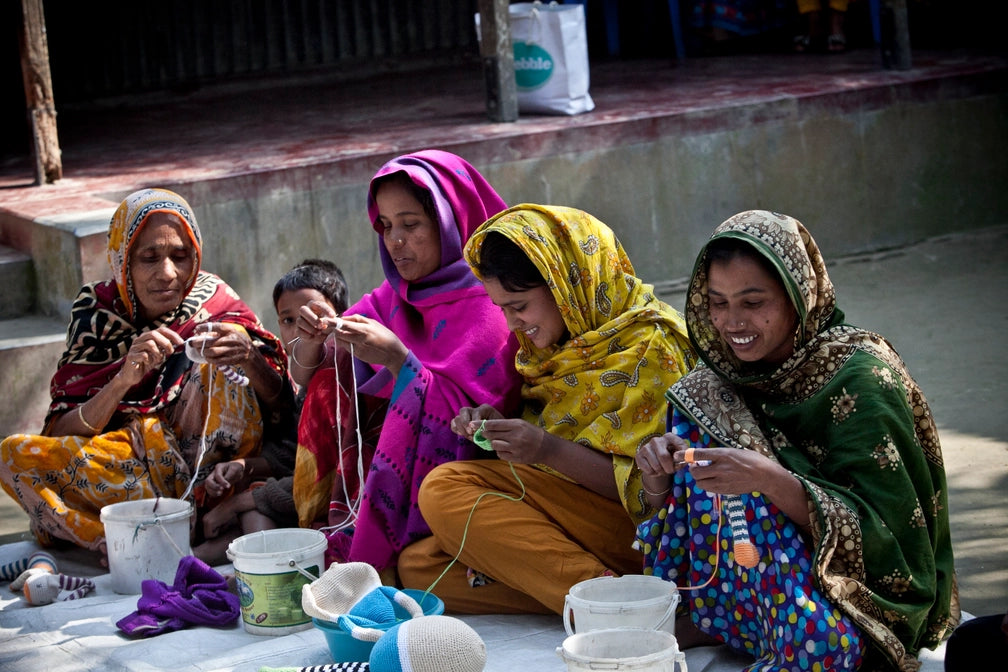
<point x="38" y="92"/>
<point x="895" y="35"/>
<point x="498" y="61"/>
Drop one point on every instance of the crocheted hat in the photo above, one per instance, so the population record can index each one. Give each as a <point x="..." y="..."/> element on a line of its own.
<point x="338" y="589"/>
<point x="383" y="606"/>
<point x="429" y="644"/>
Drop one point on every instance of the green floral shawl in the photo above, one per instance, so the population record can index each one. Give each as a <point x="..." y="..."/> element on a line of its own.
<point x="844" y="415"/>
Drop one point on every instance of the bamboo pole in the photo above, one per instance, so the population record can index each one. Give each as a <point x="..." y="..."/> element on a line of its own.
<point x="39" y="99"/>
<point x="498" y="61"/>
<point x="896" y="36"/>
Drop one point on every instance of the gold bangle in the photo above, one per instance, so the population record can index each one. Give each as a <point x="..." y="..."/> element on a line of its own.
<point x="655" y="494"/>
<point x="80" y="414"/>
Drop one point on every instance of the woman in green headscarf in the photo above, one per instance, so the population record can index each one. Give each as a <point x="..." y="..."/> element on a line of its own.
<point x="821" y="433"/>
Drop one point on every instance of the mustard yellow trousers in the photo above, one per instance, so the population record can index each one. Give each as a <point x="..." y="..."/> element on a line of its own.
<point x="535" y="538"/>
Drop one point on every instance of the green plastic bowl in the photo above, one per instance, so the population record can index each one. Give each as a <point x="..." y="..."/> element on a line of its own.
<point x="346" y="649"/>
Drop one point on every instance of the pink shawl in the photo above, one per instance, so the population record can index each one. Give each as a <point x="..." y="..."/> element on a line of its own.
<point x="461" y="354"/>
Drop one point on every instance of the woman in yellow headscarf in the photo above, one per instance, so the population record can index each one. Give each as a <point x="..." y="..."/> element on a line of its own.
<point x="597" y="349"/>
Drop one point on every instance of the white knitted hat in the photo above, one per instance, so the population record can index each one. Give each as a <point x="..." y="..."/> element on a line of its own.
<point x="429" y="644"/>
<point x="338" y="589"/>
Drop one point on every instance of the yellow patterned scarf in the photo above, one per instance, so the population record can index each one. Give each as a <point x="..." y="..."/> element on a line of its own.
<point x="603" y="387"/>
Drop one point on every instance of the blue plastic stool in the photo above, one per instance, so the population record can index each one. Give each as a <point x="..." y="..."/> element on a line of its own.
<point x="875" y="9"/>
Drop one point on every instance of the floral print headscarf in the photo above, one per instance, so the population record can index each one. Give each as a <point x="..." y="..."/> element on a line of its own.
<point x="125" y="227"/>
<point x="603" y="387"/>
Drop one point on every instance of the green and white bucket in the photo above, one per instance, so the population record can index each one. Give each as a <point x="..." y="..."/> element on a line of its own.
<point x="270" y="568"/>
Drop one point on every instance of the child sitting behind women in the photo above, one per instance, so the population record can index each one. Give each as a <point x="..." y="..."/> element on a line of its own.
<point x="261" y="487"/>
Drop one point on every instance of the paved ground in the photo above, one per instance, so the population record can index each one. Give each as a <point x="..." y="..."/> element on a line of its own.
<point x="942" y="305"/>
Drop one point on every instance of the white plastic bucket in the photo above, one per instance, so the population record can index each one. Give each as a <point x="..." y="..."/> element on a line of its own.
<point x="145" y="539"/>
<point x="270" y="569"/>
<point x="628" y="601"/>
<point x="634" y="649"/>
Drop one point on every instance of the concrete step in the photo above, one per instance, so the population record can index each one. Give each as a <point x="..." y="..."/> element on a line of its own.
<point x="17" y="278"/>
<point x="30" y="347"/>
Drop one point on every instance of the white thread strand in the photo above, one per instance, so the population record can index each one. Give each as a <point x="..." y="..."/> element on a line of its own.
<point x="353" y="507"/>
<point x="203" y="436"/>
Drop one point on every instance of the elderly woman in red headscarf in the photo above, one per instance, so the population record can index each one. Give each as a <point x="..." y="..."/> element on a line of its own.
<point x="132" y="416"/>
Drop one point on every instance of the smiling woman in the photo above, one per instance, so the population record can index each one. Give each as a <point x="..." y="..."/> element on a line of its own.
<point x="129" y="410"/>
<point x="818" y="429"/>
<point x="749" y="305"/>
<point x="565" y="495"/>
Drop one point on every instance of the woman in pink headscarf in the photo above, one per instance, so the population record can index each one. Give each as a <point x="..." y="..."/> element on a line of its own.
<point x="428" y="340"/>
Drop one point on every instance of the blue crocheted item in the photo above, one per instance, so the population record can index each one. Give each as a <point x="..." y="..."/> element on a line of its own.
<point x="382" y="606"/>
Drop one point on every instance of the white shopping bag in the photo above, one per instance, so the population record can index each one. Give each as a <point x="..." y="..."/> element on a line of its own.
<point x="550" y="45"/>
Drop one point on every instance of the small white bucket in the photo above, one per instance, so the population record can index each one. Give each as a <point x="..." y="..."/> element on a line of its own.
<point x="270" y="569"/>
<point x="145" y="539"/>
<point x="622" y="649"/>
<point x="628" y="601"/>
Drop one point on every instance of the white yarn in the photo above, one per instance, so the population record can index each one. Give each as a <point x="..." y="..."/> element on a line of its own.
<point x="198" y="357"/>
<point x="194" y="351"/>
<point x="353" y="507"/>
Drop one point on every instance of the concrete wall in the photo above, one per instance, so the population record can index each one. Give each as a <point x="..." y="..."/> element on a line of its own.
<point x="861" y="177"/>
<point x="862" y="171"/>
<point x="865" y="169"/>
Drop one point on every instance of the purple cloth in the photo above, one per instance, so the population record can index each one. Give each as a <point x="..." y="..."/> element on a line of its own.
<point x="199" y="596"/>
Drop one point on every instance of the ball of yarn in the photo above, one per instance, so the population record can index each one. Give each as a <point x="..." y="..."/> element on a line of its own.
<point x="746" y="554"/>
<point x="429" y="644"/>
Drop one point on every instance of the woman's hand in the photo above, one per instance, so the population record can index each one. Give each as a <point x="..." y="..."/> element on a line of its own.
<point x="469" y="419"/>
<point x="656" y="461"/>
<point x="229" y="344"/>
<point x="657" y="457"/>
<point x="727" y="471"/>
<point x="372" y="342"/>
<point x="226" y="344"/>
<point x="149" y="351"/>
<point x="730" y="471"/>
<point x="514" y="439"/>
<point x="316" y="320"/>
<point x="224" y="476"/>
